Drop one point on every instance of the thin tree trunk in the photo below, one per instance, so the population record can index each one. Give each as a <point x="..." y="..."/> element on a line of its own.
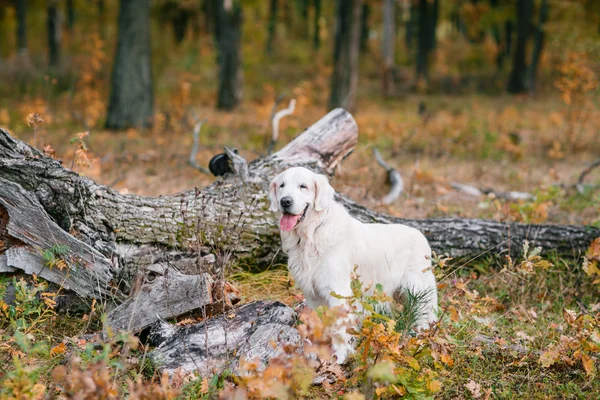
<point x="538" y="44"/>
<point x="517" y="82"/>
<point x="21" y="6"/>
<point x="410" y="26"/>
<point x="54" y="33"/>
<point x="423" y="41"/>
<point x="70" y="14"/>
<point x="101" y="8"/>
<point x="271" y="26"/>
<point x="229" y="49"/>
<point x="131" y="97"/>
<point x="344" y="80"/>
<point x="180" y="25"/>
<point x="364" y="27"/>
<point x="388" y="45"/>
<point x="317" y="25"/>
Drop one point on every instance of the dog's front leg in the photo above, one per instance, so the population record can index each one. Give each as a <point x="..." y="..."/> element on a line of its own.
<point x="342" y="341"/>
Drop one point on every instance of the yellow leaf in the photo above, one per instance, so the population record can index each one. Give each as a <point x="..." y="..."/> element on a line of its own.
<point x="434" y="386"/>
<point x="549" y="357"/>
<point x="59" y="349"/>
<point x="204" y="387"/>
<point x="588" y="364"/>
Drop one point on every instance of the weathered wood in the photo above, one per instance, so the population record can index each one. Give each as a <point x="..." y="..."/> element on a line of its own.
<point x="257" y="330"/>
<point x="86" y="271"/>
<point x="168" y="296"/>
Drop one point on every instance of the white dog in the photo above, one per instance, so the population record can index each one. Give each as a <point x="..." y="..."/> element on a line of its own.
<point x="324" y="244"/>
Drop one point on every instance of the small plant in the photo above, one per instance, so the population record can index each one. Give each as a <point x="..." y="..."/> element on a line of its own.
<point x="54" y="257"/>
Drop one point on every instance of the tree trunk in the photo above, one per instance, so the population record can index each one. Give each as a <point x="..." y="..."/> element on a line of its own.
<point x="179" y="22"/>
<point x="229" y="48"/>
<point x="364" y="28"/>
<point x="423" y="41"/>
<point x="388" y="45"/>
<point x="131" y="97"/>
<point x="517" y="82"/>
<point x="410" y="26"/>
<point x="97" y="242"/>
<point x="101" y="8"/>
<point x="21" y="6"/>
<point x="54" y="34"/>
<point x="70" y="14"/>
<point x="317" y="25"/>
<point x="344" y="80"/>
<point x="538" y="44"/>
<point x="272" y="26"/>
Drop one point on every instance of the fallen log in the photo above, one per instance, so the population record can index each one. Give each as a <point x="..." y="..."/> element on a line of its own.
<point x="255" y="331"/>
<point x="106" y="231"/>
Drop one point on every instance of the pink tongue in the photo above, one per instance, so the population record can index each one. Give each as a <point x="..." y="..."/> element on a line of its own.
<point x="288" y="221"/>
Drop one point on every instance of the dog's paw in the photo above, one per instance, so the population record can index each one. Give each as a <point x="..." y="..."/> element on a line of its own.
<point x="341" y="352"/>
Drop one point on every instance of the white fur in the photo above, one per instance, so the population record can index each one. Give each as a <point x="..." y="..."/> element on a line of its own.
<point x="324" y="248"/>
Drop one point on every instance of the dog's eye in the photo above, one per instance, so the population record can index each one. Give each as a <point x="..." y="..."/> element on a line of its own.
<point x="303" y="186"/>
<point x="282" y="185"/>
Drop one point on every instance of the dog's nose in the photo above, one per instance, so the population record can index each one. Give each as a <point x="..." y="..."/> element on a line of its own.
<point x="286" y="202"/>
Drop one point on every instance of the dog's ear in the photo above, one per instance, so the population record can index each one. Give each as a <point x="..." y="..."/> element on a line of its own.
<point x="273" y="196"/>
<point x="323" y="193"/>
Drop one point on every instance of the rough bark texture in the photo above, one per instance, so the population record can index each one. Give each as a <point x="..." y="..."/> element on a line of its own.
<point x="112" y="237"/>
<point x="229" y="38"/>
<point x="131" y="97"/>
<point x="257" y="330"/>
<point x="344" y="80"/>
<point x="517" y="82"/>
<point x="171" y="295"/>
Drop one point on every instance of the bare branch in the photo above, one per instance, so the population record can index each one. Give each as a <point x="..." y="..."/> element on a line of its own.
<point x="586" y="171"/>
<point x="394" y="177"/>
<point x="275" y="123"/>
<point x="476" y="192"/>
<point x="196" y="145"/>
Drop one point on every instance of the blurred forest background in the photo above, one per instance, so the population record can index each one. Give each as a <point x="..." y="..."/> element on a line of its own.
<point x="487" y="108"/>
<point x="502" y="95"/>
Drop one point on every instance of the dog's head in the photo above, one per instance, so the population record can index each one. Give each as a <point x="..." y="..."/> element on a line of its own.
<point x="298" y="192"/>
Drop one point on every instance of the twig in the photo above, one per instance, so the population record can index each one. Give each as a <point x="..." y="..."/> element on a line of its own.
<point x="275" y="123"/>
<point x="194" y="152"/>
<point x="394" y="177"/>
<point x="587" y="170"/>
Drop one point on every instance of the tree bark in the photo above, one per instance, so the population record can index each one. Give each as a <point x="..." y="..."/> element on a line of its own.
<point x="54" y="34"/>
<point x="258" y="330"/>
<point x="109" y="238"/>
<point x="517" y="82"/>
<point x="131" y="97"/>
<point x="344" y="80"/>
<point x="21" y="6"/>
<point x="388" y="46"/>
<point x="229" y="49"/>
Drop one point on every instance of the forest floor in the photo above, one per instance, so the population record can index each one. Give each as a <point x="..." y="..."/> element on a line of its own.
<point x="542" y="316"/>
